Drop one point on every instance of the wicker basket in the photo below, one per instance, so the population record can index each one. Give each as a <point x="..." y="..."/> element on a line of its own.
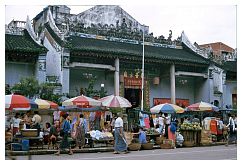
<point x="29" y="132"/>
<point x="166" y="146"/>
<point x="188" y="143"/>
<point x="147" y="146"/>
<point x="134" y="146"/>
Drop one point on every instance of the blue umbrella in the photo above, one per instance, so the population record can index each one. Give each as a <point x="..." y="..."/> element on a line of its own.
<point x="167" y="108"/>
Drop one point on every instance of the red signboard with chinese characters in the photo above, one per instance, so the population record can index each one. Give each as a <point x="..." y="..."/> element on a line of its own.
<point x="180" y="102"/>
<point x="132" y="82"/>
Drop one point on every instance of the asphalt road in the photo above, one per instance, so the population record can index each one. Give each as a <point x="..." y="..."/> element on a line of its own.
<point x="196" y="153"/>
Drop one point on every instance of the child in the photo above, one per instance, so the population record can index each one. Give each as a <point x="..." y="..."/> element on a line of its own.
<point x="142" y="136"/>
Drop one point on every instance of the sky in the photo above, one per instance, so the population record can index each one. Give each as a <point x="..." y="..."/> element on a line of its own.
<point x="201" y="23"/>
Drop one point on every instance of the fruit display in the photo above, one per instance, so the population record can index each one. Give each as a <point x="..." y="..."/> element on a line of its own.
<point x="190" y="126"/>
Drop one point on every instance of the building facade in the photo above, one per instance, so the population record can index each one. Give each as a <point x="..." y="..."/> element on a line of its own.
<point x="104" y="44"/>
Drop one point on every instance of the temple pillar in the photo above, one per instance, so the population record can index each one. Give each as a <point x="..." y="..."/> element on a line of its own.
<point x="173" y="84"/>
<point x="116" y="77"/>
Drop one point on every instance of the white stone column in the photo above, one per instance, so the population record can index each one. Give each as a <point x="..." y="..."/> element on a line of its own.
<point x="173" y="84"/>
<point x="116" y="77"/>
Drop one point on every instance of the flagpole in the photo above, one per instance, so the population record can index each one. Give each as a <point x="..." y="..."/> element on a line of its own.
<point x="142" y="75"/>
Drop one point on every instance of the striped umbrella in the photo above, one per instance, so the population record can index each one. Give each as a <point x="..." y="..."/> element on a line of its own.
<point x="201" y="107"/>
<point x="45" y="104"/>
<point x="17" y="102"/>
<point x="81" y="101"/>
<point x="115" y="102"/>
<point x="167" y="108"/>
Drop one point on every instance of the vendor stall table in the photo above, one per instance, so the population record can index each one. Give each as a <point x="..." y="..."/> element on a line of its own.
<point x="191" y="137"/>
<point x="33" y="141"/>
<point x="91" y="141"/>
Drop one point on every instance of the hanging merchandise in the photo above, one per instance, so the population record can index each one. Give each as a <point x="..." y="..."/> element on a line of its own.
<point x="147" y="122"/>
<point x="108" y="116"/>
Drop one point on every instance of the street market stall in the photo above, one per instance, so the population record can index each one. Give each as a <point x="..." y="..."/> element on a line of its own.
<point x="193" y="133"/>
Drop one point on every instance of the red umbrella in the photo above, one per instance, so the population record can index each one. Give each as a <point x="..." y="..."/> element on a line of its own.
<point x="202" y="106"/>
<point x="115" y="102"/>
<point x="17" y="102"/>
<point x="81" y="101"/>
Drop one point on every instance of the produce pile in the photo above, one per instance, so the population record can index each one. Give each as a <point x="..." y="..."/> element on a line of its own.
<point x="190" y="126"/>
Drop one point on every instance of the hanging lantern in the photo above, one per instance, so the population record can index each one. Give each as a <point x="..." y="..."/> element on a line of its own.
<point x="156" y="80"/>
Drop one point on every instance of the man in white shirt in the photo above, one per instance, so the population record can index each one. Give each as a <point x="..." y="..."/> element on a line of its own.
<point x="167" y="123"/>
<point x="161" y="124"/>
<point x="120" y="141"/>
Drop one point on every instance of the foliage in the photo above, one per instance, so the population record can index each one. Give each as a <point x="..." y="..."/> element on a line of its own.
<point x="91" y="92"/>
<point x="46" y="93"/>
<point x="28" y="87"/>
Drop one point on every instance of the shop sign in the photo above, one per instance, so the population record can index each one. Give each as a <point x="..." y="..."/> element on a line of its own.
<point x="132" y="81"/>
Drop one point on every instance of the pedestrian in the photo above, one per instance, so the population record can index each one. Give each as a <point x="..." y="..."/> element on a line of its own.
<point x="114" y="117"/>
<point x="106" y="127"/>
<point x="167" y="122"/>
<point x="161" y="123"/>
<point x="27" y="120"/>
<point x="36" y="121"/>
<point x="195" y="119"/>
<point x="231" y="128"/>
<point x="172" y="131"/>
<point x="142" y="136"/>
<point x="16" y="123"/>
<point x="186" y="120"/>
<point x="81" y="130"/>
<point x="120" y="141"/>
<point x="54" y="133"/>
<point x="65" y="128"/>
<point x="46" y="132"/>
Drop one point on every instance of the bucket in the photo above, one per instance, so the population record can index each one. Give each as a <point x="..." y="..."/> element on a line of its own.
<point x="25" y="145"/>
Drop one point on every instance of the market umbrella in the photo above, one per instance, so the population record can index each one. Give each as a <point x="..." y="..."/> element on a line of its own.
<point x="202" y="107"/>
<point x="45" y="104"/>
<point x="81" y="102"/>
<point x="167" y="108"/>
<point x="115" y="102"/>
<point x="18" y="103"/>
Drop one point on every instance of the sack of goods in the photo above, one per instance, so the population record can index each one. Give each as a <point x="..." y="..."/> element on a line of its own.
<point x="206" y="137"/>
<point x="179" y="139"/>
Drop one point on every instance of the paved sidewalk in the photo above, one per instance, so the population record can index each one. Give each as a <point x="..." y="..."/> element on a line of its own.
<point x="84" y="150"/>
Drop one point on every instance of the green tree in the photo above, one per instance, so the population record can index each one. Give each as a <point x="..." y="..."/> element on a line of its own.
<point x="47" y="93"/>
<point x="91" y="92"/>
<point x="28" y="87"/>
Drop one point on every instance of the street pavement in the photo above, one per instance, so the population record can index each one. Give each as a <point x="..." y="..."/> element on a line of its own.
<point x="220" y="152"/>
